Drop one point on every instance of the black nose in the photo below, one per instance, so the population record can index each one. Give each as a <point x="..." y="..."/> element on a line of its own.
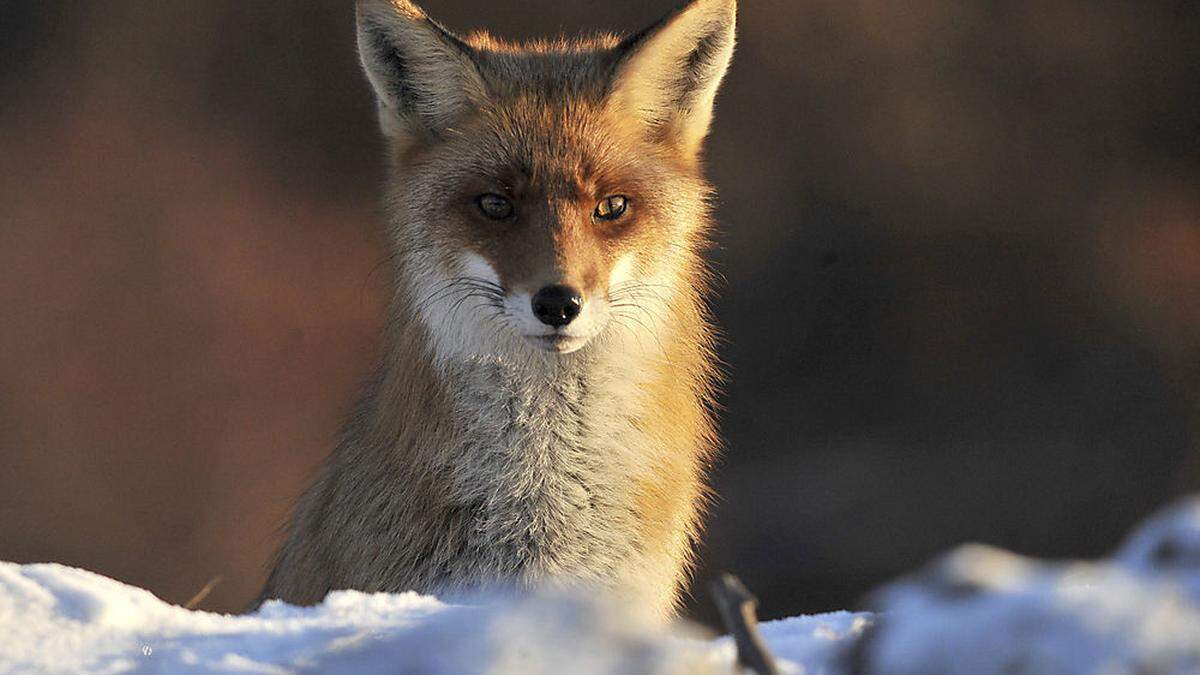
<point x="557" y="305"/>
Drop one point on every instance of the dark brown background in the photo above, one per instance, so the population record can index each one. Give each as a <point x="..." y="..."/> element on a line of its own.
<point x="961" y="243"/>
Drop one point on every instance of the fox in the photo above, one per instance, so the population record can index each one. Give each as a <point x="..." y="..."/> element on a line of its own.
<point x="543" y="413"/>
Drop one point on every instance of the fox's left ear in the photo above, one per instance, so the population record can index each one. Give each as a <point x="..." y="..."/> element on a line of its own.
<point x="667" y="75"/>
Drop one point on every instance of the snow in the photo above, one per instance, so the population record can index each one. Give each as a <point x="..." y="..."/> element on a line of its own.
<point x="983" y="610"/>
<point x="976" y="610"/>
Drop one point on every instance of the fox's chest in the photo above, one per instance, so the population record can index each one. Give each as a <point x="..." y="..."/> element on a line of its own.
<point x="548" y="470"/>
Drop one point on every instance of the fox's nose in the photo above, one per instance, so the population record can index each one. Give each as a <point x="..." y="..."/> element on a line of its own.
<point x="557" y="305"/>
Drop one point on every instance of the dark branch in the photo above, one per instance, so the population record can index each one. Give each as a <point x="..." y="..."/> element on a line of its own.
<point x="738" y="607"/>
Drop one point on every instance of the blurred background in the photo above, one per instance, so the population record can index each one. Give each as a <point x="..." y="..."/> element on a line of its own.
<point x="960" y="243"/>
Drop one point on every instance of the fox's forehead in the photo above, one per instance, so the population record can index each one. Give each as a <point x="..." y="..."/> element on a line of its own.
<point x="546" y="112"/>
<point x="563" y="145"/>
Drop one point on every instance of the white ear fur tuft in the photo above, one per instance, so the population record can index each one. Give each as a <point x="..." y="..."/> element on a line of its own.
<point x="423" y="76"/>
<point x="669" y="73"/>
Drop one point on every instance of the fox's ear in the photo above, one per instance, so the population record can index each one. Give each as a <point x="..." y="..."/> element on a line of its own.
<point x="424" y="77"/>
<point x="668" y="74"/>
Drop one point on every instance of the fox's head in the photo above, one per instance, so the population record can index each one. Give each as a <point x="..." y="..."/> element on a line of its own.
<point x="545" y="195"/>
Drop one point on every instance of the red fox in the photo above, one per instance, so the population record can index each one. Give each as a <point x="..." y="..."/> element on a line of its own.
<point x="542" y="416"/>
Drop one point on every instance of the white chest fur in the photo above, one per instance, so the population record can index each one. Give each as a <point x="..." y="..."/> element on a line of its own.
<point x="549" y="459"/>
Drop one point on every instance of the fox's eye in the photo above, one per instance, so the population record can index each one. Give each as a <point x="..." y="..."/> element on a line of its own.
<point x="612" y="207"/>
<point x="494" y="206"/>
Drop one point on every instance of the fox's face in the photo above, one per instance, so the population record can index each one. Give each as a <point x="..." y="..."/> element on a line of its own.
<point x="544" y="197"/>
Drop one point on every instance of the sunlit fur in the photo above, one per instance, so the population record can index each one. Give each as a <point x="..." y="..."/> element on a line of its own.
<point x="482" y="455"/>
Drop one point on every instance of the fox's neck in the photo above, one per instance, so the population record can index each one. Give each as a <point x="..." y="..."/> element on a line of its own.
<point x="528" y="417"/>
<point x="556" y="443"/>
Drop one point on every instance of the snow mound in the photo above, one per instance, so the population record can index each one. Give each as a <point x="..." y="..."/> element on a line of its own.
<point x="59" y="619"/>
<point x="983" y="610"/>
<point x="977" y="610"/>
<point x="1167" y="546"/>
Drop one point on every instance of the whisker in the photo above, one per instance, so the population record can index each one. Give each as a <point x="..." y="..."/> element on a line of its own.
<point x="634" y="317"/>
<point x="456" y="284"/>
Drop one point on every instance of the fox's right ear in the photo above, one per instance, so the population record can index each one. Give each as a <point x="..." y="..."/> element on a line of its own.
<point x="423" y="75"/>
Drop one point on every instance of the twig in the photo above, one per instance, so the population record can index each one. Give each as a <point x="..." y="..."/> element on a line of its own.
<point x="738" y="607"/>
<point x="203" y="593"/>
